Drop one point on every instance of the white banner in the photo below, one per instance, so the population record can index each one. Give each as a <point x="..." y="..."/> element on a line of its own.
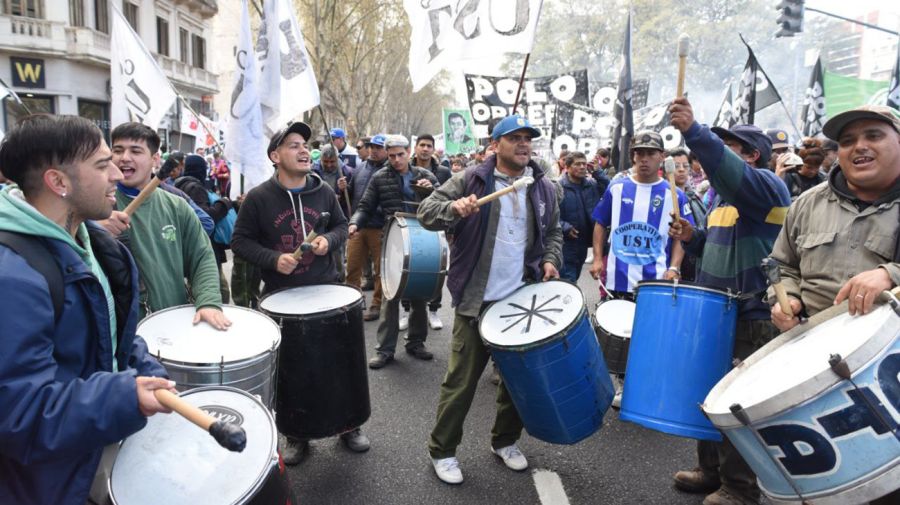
<point x="287" y="79"/>
<point x="140" y="90"/>
<point x="447" y="31"/>
<point x="245" y="141"/>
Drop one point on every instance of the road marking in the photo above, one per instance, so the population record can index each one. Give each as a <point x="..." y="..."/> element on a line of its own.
<point x="549" y="488"/>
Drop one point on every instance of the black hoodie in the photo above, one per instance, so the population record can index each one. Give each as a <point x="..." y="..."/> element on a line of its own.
<point x="270" y="223"/>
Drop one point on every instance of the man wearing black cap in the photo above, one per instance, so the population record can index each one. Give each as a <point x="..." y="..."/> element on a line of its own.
<point x="744" y="220"/>
<point x="486" y="266"/>
<point x="275" y="218"/>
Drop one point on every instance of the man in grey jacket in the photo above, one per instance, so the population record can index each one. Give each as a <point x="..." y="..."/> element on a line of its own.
<point x="486" y="266"/>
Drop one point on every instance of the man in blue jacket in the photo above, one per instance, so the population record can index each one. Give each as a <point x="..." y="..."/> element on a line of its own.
<point x="75" y="376"/>
<point x="580" y="195"/>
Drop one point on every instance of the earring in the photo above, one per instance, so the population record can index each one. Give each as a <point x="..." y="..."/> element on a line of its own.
<point x="63" y="194"/>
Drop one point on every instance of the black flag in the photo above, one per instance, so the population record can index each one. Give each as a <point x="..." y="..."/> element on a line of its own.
<point x="893" y="98"/>
<point x="725" y="117"/>
<point x="756" y="91"/>
<point x="814" y="104"/>
<point x="623" y="110"/>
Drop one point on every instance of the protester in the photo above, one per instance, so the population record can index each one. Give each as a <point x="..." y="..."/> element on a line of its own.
<point x="580" y="195"/>
<point x="697" y="173"/>
<point x="221" y="174"/>
<point x="698" y="209"/>
<point x="348" y="154"/>
<point x="486" y="266"/>
<point x="744" y="220"/>
<point x="362" y="150"/>
<point x="780" y="145"/>
<point x="74" y="375"/>
<point x="802" y="176"/>
<point x="174" y="166"/>
<point x="831" y="148"/>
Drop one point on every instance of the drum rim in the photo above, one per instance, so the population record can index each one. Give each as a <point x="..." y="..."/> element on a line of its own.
<point x="336" y="310"/>
<point x="402" y="226"/>
<point x="273" y="451"/>
<point x="596" y="324"/>
<point x="812" y="387"/>
<point x="685" y="284"/>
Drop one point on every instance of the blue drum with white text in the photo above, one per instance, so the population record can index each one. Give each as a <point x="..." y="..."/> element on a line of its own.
<point x="413" y="260"/>
<point x="681" y="345"/>
<point x="805" y="430"/>
<point x="551" y="364"/>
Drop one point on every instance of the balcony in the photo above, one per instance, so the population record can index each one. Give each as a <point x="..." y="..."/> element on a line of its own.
<point x="206" y="8"/>
<point x="185" y="75"/>
<point x="87" y="44"/>
<point x="29" y="35"/>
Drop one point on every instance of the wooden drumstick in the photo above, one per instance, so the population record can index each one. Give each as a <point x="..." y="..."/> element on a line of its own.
<point x="773" y="272"/>
<point x="142" y="196"/>
<point x="683" y="40"/>
<point x="670" y="173"/>
<point x="307" y="242"/>
<point x="519" y="184"/>
<point x="228" y="435"/>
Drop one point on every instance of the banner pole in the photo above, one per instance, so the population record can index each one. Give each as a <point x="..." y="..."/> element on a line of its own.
<point x="521" y="82"/>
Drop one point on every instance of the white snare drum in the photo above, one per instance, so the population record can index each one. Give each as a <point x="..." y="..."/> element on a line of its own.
<point x="244" y="356"/>
<point x="613" y="320"/>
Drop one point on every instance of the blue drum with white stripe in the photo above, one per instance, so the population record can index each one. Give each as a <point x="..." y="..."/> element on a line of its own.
<point x="681" y="345"/>
<point x="413" y="260"/>
<point x="808" y="433"/>
<point x="545" y="348"/>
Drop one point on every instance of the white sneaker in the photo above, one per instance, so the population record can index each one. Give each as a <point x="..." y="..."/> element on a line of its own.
<point x="434" y="320"/>
<point x="404" y="321"/>
<point x="512" y="457"/>
<point x="447" y="469"/>
<point x="617" y="400"/>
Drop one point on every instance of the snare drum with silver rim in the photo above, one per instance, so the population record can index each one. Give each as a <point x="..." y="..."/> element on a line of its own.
<point x="243" y="356"/>
<point x="613" y="320"/>
<point x="413" y="260"/>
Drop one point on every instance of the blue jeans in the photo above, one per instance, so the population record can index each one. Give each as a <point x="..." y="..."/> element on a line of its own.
<point x="574" y="255"/>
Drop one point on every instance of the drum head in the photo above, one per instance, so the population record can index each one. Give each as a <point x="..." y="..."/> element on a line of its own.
<point x="532" y="314"/>
<point x="172" y="335"/>
<point x="394" y="257"/>
<point x="616" y="317"/>
<point x="172" y="461"/>
<point x="800" y="359"/>
<point x="307" y="300"/>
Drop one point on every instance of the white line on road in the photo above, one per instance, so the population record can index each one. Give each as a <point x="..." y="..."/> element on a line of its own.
<point x="549" y="488"/>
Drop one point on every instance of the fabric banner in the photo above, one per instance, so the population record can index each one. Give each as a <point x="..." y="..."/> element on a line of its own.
<point x="623" y="109"/>
<point x="458" y="135"/>
<point x="139" y="89"/>
<point x="245" y="141"/>
<point x="893" y="98"/>
<point x="656" y="118"/>
<point x="725" y="117"/>
<point x="445" y="32"/>
<point x="603" y="98"/>
<point x="845" y="93"/>
<point x="755" y="91"/>
<point x="492" y="98"/>
<point x="813" y="115"/>
<point x="287" y="79"/>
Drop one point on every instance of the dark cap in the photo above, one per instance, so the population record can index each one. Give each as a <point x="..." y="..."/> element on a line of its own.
<point x="299" y="127"/>
<point x="648" y="140"/>
<point x="513" y="123"/>
<point x="750" y="136"/>
<point x="778" y="137"/>
<point x="834" y="126"/>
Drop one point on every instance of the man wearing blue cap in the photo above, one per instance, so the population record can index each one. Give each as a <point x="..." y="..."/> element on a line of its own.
<point x="744" y="221"/>
<point x="486" y="266"/>
<point x="348" y="155"/>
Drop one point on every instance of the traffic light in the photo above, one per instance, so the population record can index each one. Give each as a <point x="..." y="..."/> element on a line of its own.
<point x="790" y="21"/>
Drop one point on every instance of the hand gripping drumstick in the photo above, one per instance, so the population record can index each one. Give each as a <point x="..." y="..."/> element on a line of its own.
<point x="519" y="184"/>
<point x="143" y="195"/>
<point x="670" y="174"/>
<point x="683" y="40"/>
<point x="773" y="272"/>
<point x="307" y="242"/>
<point x="228" y="435"/>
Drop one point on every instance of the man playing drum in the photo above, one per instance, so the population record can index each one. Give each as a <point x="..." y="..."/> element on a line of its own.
<point x="75" y="376"/>
<point x="515" y="239"/>
<point x="839" y="240"/>
<point x="275" y="219"/>
<point x="741" y="228"/>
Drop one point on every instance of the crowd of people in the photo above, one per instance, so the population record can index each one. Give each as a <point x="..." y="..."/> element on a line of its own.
<point x="81" y="266"/>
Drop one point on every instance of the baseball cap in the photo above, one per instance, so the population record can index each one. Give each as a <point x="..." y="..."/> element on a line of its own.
<point x="778" y="137"/>
<point x="299" y="127"/>
<point x="749" y="135"/>
<point x="647" y="140"/>
<point x="834" y="126"/>
<point x="338" y="133"/>
<point x="315" y="154"/>
<point x="395" y="141"/>
<point x="513" y="123"/>
<point x="378" y="140"/>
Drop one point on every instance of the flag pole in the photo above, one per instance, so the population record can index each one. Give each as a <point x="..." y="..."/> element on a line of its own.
<point x="200" y="120"/>
<point x="15" y="96"/>
<point x="521" y="82"/>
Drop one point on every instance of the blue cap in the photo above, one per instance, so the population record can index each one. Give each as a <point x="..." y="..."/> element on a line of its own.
<point x="513" y="123"/>
<point x="337" y="133"/>
<point x="378" y="140"/>
<point x="750" y="136"/>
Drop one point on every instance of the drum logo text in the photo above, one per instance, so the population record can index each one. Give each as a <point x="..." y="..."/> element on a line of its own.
<point x="224" y="414"/>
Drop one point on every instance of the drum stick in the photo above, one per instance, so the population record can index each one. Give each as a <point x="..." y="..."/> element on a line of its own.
<point x="683" y="40"/>
<point x="521" y="183"/>
<point x="143" y="195"/>
<point x="670" y="173"/>
<point x="773" y="272"/>
<point x="307" y="242"/>
<point x="228" y="435"/>
<point x="347" y="201"/>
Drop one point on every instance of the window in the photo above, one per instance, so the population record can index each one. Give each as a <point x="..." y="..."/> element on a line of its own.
<point x="130" y="11"/>
<point x="76" y="12"/>
<point x="184" y="45"/>
<point x="162" y="36"/>
<point x="37" y="104"/>
<point x="101" y="16"/>
<point x="98" y="112"/>
<point x="199" y="51"/>
<point x="27" y="8"/>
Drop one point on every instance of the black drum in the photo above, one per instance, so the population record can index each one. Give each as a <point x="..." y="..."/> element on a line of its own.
<point x="613" y="320"/>
<point x="323" y="386"/>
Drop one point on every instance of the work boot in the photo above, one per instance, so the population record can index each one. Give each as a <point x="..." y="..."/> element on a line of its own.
<point x="420" y="352"/>
<point x="355" y="440"/>
<point x="696" y="481"/>
<point x="294" y="450"/>
<point x="725" y="497"/>
<point x="373" y="314"/>
<point x="380" y="360"/>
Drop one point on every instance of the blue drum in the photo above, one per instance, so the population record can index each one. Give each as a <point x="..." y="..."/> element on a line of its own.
<point x="413" y="260"/>
<point x="681" y="345"/>
<point x="550" y="361"/>
<point x="816" y="412"/>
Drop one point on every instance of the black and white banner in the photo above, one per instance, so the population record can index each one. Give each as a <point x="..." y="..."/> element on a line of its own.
<point x="893" y="98"/>
<point x="814" y="114"/>
<point x="725" y="118"/>
<point x="603" y="98"/>
<point x="756" y="91"/>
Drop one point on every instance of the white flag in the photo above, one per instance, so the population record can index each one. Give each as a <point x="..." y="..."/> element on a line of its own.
<point x="245" y="142"/>
<point x="140" y="90"/>
<point x="287" y="80"/>
<point x="446" y="31"/>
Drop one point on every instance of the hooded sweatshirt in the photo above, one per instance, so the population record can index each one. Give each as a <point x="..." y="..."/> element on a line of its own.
<point x="275" y="220"/>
